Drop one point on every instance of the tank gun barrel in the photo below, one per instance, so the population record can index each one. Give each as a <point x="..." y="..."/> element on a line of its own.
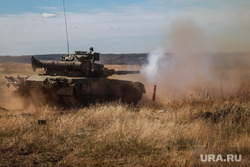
<point x="126" y="72"/>
<point x="69" y="68"/>
<point x="55" y="65"/>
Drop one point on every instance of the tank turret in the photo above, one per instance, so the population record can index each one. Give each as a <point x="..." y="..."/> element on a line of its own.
<point x="84" y="67"/>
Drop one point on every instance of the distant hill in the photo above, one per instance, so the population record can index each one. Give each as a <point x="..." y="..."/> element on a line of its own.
<point x="121" y="59"/>
<point x="225" y="60"/>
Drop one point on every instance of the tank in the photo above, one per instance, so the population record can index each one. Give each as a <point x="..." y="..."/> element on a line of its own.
<point x="77" y="79"/>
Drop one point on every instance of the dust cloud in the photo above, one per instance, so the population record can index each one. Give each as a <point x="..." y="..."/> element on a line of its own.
<point x="9" y="98"/>
<point x="194" y="68"/>
<point x="12" y="100"/>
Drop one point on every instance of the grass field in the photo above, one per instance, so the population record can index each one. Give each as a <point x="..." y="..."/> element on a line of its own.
<point x="165" y="133"/>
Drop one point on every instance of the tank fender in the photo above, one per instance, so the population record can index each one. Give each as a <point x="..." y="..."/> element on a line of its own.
<point x="140" y="86"/>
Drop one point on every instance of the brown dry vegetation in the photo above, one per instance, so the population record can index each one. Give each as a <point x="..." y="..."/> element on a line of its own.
<point x="165" y="133"/>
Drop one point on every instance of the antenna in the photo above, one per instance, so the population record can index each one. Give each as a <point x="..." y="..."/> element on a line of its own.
<point x="66" y="26"/>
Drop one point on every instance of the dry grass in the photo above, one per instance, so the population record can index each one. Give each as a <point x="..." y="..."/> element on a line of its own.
<point x="117" y="134"/>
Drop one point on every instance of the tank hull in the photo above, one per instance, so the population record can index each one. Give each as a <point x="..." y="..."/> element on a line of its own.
<point x="72" y="91"/>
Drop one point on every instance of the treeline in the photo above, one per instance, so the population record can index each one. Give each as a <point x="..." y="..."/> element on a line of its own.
<point x="226" y="60"/>
<point x="121" y="59"/>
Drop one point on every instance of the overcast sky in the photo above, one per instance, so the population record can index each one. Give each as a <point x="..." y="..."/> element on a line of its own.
<point x="119" y="26"/>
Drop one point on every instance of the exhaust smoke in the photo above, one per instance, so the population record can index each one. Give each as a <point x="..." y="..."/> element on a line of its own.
<point x="156" y="63"/>
<point x="192" y="70"/>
